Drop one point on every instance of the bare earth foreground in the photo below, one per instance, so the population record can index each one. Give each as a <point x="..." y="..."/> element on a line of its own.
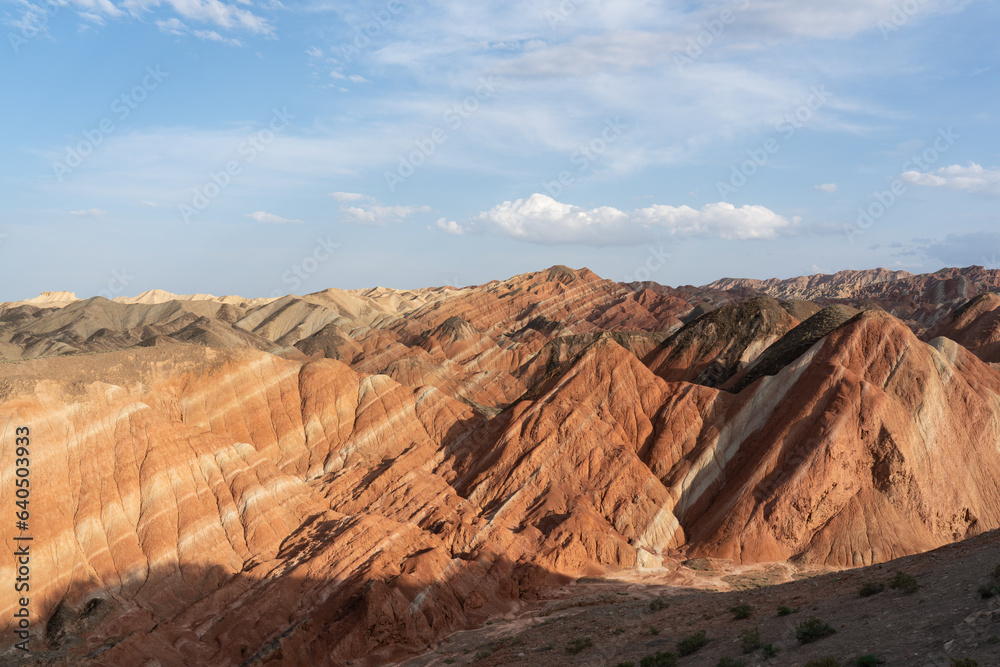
<point x="351" y="477"/>
<point x="944" y="619"/>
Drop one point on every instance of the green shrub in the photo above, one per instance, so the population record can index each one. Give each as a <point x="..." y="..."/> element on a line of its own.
<point x="813" y="629"/>
<point x="996" y="572"/>
<point x="742" y="611"/>
<point x="786" y="611"/>
<point x="726" y="661"/>
<point x="868" y="660"/>
<point x="653" y="630"/>
<point x="578" y="645"/>
<point x="660" y="659"/>
<point x="964" y="662"/>
<point x="904" y="582"/>
<point x="482" y="655"/>
<point x="750" y="640"/>
<point x="870" y="588"/>
<point x="618" y="631"/>
<point x="769" y="651"/>
<point x="689" y="645"/>
<point x="827" y="661"/>
<point x="989" y="590"/>
<point x="627" y="663"/>
<point x="658" y="604"/>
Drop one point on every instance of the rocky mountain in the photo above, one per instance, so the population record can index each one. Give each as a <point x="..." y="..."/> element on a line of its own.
<point x="349" y="476"/>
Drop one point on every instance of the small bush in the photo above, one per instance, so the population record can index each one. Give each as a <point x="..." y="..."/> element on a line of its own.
<point x="769" y="651"/>
<point x="578" y="645"/>
<point x="449" y="661"/>
<point x="689" y="645"/>
<point x="750" y="640"/>
<point x="653" y="630"/>
<point x="904" y="582"/>
<point x="989" y="590"/>
<point x="742" y="611"/>
<point x="482" y="655"/>
<point x="618" y="631"/>
<point x="627" y="663"/>
<point x="828" y="661"/>
<point x="868" y="660"/>
<point x="964" y="662"/>
<point x="659" y="659"/>
<point x="870" y="588"/>
<point x="996" y="572"/>
<point x="658" y="604"/>
<point x="813" y="629"/>
<point x="726" y="661"/>
<point x="786" y="611"/>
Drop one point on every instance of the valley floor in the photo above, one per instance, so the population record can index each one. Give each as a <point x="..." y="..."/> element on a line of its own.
<point x="944" y="619"/>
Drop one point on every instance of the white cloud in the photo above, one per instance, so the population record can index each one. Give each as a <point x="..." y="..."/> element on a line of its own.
<point x="827" y="187"/>
<point x="450" y="226"/>
<point x="973" y="178"/>
<point x="541" y="219"/>
<point x="348" y="196"/>
<point x="175" y="26"/>
<point x="207" y="11"/>
<point x="378" y="215"/>
<point x="89" y="213"/>
<point x="149" y="203"/>
<point x="272" y="219"/>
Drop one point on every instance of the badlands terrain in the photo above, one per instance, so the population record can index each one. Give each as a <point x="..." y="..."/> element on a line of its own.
<point x="379" y="476"/>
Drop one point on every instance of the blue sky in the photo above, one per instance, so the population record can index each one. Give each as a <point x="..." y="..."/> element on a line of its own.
<point x="254" y="147"/>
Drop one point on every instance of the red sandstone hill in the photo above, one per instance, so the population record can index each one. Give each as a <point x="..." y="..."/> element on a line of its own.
<point x="350" y="476"/>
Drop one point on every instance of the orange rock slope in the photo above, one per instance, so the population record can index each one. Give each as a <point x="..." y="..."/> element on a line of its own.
<point x="350" y="476"/>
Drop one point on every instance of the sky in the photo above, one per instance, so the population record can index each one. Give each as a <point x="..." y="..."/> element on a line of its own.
<point x="266" y="147"/>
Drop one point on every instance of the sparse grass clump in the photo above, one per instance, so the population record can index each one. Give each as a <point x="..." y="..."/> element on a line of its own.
<point x="658" y="604"/>
<point x="868" y="660"/>
<point x="813" y="629"/>
<point x="482" y="655"/>
<point x="769" y="651"/>
<point x="828" y="661"/>
<point x="578" y="645"/>
<point x="786" y="611"/>
<point x="689" y="645"/>
<point x="992" y="587"/>
<point x="659" y="659"/>
<point x="870" y="588"/>
<point x="742" y="611"/>
<point x="750" y="640"/>
<point x="904" y="582"/>
<point x="726" y="661"/>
